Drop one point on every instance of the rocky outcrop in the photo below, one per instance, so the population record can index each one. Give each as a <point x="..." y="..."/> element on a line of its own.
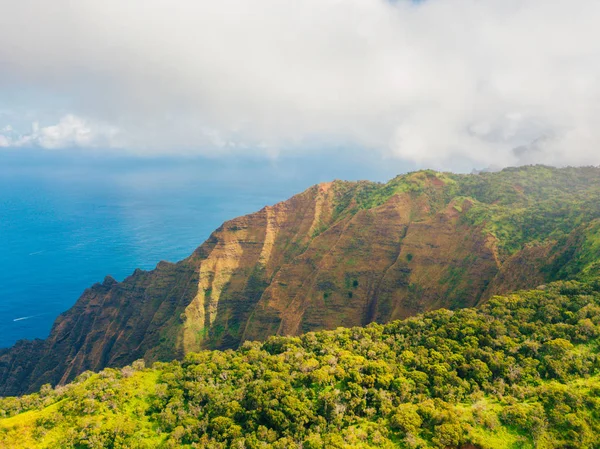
<point x="112" y="324"/>
<point x="522" y="270"/>
<point x="338" y="254"/>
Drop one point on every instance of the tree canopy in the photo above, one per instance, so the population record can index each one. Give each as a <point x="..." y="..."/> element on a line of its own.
<point x="520" y="371"/>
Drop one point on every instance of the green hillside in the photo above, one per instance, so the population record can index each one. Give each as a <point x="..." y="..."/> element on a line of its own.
<point x="521" y="371"/>
<point x="518" y="206"/>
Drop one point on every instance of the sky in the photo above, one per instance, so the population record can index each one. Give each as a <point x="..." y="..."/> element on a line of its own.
<point x="445" y="84"/>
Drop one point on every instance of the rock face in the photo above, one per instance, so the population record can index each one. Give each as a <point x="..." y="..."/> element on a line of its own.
<point x="108" y="326"/>
<point x="338" y="254"/>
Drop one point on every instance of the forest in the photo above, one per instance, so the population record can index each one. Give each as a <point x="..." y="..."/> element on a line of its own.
<point x="520" y="371"/>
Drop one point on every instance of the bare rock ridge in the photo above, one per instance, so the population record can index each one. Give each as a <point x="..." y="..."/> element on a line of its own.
<point x="338" y="254"/>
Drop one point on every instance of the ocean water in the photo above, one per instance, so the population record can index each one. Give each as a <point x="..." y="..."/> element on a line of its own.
<point x="64" y="226"/>
<point x="68" y="220"/>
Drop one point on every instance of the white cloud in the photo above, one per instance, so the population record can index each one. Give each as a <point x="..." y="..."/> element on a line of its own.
<point x="69" y="132"/>
<point x="434" y="82"/>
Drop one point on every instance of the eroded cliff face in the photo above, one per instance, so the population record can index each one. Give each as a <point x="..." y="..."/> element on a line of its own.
<point x="112" y="324"/>
<point x="379" y="264"/>
<point x="299" y="266"/>
<point x="338" y="254"/>
<point x="247" y="253"/>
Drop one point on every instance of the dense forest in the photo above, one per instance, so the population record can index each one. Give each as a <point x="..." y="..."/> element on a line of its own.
<point x="520" y="371"/>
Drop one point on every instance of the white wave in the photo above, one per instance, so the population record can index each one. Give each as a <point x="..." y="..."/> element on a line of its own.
<point x="27" y="317"/>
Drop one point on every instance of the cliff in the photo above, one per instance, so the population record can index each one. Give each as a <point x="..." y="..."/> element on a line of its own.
<point x="338" y="254"/>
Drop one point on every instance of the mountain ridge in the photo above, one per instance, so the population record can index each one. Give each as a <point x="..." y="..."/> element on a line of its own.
<point x="338" y="254"/>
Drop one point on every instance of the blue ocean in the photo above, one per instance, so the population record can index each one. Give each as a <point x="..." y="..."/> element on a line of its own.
<point x="68" y="220"/>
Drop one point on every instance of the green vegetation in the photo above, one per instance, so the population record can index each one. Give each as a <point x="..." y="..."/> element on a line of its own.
<point x="531" y="204"/>
<point x="522" y="371"/>
<point x="518" y="206"/>
<point x="439" y="187"/>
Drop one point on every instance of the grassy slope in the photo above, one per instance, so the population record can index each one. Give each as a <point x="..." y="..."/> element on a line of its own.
<point x="123" y="408"/>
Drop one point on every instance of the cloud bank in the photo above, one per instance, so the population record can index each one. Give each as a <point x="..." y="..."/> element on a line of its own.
<point x="497" y="82"/>
<point x="69" y="132"/>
